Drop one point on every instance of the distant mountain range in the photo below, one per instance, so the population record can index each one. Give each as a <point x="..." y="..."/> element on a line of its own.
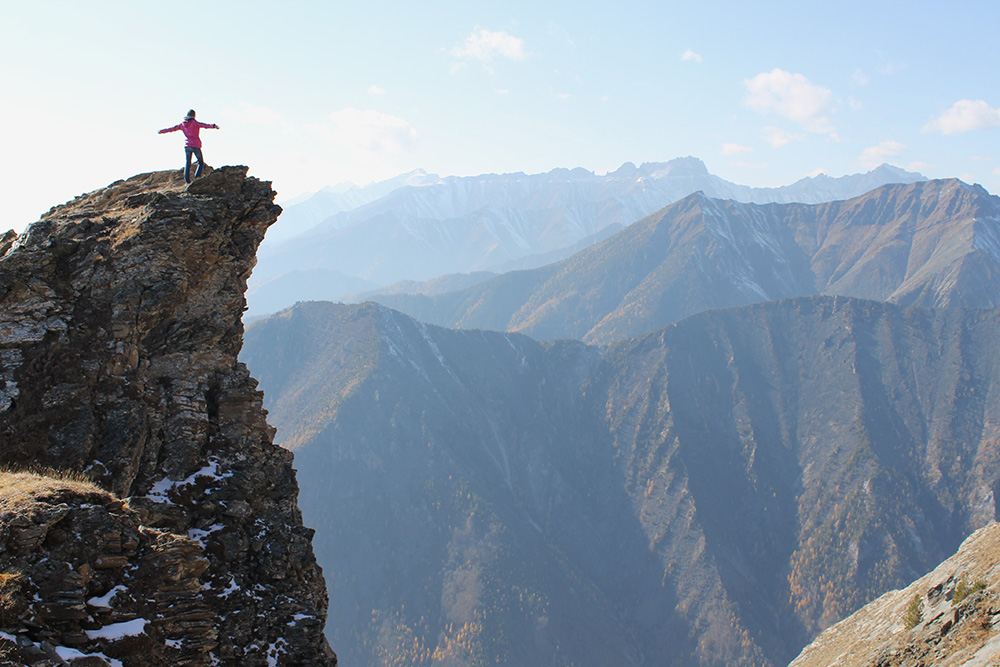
<point x="930" y="243"/>
<point x="712" y="493"/>
<point x="420" y="226"/>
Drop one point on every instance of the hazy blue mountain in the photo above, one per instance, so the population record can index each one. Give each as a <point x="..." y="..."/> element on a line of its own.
<point x="306" y="284"/>
<point x="309" y="210"/>
<point x="441" y="285"/>
<point x="930" y="243"/>
<point x="433" y="226"/>
<point x="712" y="493"/>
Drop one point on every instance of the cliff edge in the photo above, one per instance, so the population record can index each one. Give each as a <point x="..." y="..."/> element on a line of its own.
<point x="163" y="527"/>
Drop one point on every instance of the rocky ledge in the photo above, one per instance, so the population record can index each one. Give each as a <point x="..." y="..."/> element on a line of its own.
<point x="947" y="618"/>
<point x="120" y="323"/>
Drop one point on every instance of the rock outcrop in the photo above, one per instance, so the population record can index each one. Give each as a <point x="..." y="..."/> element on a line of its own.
<point x="947" y="618"/>
<point x="120" y="322"/>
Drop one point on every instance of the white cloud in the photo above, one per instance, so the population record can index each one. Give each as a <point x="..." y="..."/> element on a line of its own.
<point x="855" y="104"/>
<point x="778" y="137"/>
<point x="791" y="96"/>
<point x="501" y="91"/>
<point x="485" y="45"/>
<point x="881" y="153"/>
<point x="376" y="90"/>
<point x="965" y="116"/>
<point x="891" y="68"/>
<point x="365" y="130"/>
<point x="254" y="115"/>
<point x="691" y="56"/>
<point x="561" y="34"/>
<point x="735" y="149"/>
<point x="860" y="77"/>
<point x="996" y="172"/>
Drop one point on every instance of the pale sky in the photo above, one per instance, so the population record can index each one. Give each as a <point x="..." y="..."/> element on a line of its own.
<point x="310" y="94"/>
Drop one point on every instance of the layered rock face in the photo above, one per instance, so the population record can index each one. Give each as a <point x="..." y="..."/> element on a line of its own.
<point x="120" y="322"/>
<point x="88" y="580"/>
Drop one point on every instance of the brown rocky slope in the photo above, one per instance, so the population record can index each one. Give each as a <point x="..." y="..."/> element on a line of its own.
<point x="120" y="322"/>
<point x="949" y="617"/>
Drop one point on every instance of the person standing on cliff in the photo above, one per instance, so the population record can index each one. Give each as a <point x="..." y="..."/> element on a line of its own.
<point x="192" y="146"/>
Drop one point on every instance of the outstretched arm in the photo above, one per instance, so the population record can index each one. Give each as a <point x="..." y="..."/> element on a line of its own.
<point x="170" y="129"/>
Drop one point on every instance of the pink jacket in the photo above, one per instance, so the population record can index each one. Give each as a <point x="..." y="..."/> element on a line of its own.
<point x="191" y="128"/>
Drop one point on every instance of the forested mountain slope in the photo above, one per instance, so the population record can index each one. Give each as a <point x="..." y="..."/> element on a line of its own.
<point x="712" y="493"/>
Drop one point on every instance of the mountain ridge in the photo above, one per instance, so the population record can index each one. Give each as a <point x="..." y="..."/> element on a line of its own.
<point x="829" y="188"/>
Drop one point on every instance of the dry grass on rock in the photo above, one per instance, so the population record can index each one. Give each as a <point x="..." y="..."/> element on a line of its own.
<point x="24" y="491"/>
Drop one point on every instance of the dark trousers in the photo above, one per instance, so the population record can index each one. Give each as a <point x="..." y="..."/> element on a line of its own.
<point x="188" y="152"/>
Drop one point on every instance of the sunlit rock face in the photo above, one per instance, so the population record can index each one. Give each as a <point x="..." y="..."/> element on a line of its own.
<point x="946" y="618"/>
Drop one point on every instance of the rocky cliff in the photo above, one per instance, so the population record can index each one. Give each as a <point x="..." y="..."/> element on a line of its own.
<point x="947" y="618"/>
<point x="120" y="322"/>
